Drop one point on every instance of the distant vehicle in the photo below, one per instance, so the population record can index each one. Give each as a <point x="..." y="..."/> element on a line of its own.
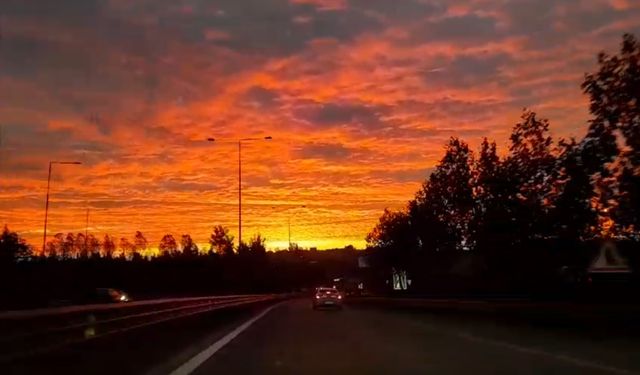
<point x="110" y="295"/>
<point x="327" y="297"/>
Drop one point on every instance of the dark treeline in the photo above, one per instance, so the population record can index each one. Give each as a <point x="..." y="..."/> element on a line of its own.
<point x="82" y="246"/>
<point x="79" y="245"/>
<point x="73" y="267"/>
<point x="513" y="220"/>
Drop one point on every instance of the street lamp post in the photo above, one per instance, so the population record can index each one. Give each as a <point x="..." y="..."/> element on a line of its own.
<point x="289" y="220"/>
<point x="239" y="194"/>
<point x="46" y="206"/>
<point x="268" y="138"/>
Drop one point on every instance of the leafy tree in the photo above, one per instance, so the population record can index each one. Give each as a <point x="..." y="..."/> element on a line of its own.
<point x="394" y="236"/>
<point x="80" y="246"/>
<point x="257" y="245"/>
<point x="243" y="249"/>
<point x="573" y="214"/>
<point x="93" y="245"/>
<point x="12" y="247"/>
<point x="529" y="168"/>
<point x="293" y="246"/>
<point x="446" y="200"/>
<point x="54" y="245"/>
<point x="491" y="223"/>
<point x="140" y="243"/>
<point x="68" y="246"/>
<point x="389" y="229"/>
<point x="126" y="247"/>
<point x="628" y="212"/>
<point x="108" y="246"/>
<point x="189" y="248"/>
<point x="168" y="246"/>
<point x="614" y="100"/>
<point x="221" y="241"/>
<point x="487" y="183"/>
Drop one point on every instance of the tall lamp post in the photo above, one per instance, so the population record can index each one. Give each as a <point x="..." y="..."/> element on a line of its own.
<point x="288" y="210"/>
<point x="46" y="206"/>
<point x="240" y="141"/>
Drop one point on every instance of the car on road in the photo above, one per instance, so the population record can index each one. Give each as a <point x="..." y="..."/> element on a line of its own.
<point x="327" y="297"/>
<point x="110" y="295"/>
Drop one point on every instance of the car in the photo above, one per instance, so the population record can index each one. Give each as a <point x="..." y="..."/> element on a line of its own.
<point x="327" y="297"/>
<point x="110" y="295"/>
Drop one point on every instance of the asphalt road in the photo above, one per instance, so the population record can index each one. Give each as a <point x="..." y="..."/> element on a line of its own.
<point x="294" y="339"/>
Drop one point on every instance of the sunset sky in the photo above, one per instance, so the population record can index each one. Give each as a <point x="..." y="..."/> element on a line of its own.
<point x="359" y="97"/>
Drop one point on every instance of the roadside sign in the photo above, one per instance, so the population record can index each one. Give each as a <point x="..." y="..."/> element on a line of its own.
<point x="609" y="260"/>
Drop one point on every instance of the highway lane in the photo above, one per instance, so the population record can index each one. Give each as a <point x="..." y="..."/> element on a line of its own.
<point x="294" y="339"/>
<point x="155" y="349"/>
<point x="362" y="339"/>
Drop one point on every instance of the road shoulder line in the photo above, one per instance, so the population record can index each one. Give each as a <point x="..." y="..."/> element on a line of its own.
<point x="195" y="362"/>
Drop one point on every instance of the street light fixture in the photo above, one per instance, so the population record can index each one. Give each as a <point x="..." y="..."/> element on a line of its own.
<point x="267" y="138"/>
<point x="46" y="207"/>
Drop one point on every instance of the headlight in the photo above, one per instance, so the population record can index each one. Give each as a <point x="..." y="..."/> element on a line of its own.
<point x="123" y="298"/>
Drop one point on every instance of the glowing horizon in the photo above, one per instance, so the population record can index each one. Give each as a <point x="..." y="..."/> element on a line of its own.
<point x="359" y="97"/>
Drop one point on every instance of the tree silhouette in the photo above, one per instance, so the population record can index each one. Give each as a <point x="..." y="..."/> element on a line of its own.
<point x="394" y="236"/>
<point x="54" y="246"/>
<point x="293" y="246"/>
<point x="168" y="246"/>
<point x="390" y="228"/>
<point x="447" y="199"/>
<point x="573" y="214"/>
<point x="12" y="247"/>
<point x="188" y="247"/>
<point x="529" y="168"/>
<point x="492" y="220"/>
<point x="488" y="184"/>
<point x="140" y="243"/>
<point x="257" y="245"/>
<point x="93" y="246"/>
<point x="221" y="241"/>
<point x="68" y="246"/>
<point x="243" y="249"/>
<point x="80" y="248"/>
<point x="108" y="246"/>
<point x="614" y="98"/>
<point x="628" y="212"/>
<point x="126" y="247"/>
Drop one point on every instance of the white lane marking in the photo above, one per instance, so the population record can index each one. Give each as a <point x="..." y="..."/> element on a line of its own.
<point x="560" y="357"/>
<point x="195" y="362"/>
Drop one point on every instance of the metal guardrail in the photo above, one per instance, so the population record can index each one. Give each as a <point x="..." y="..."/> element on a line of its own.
<point x="33" y="313"/>
<point x="25" y="333"/>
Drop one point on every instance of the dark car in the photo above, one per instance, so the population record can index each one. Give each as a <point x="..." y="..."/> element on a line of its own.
<point x="327" y="297"/>
<point x="109" y="295"/>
